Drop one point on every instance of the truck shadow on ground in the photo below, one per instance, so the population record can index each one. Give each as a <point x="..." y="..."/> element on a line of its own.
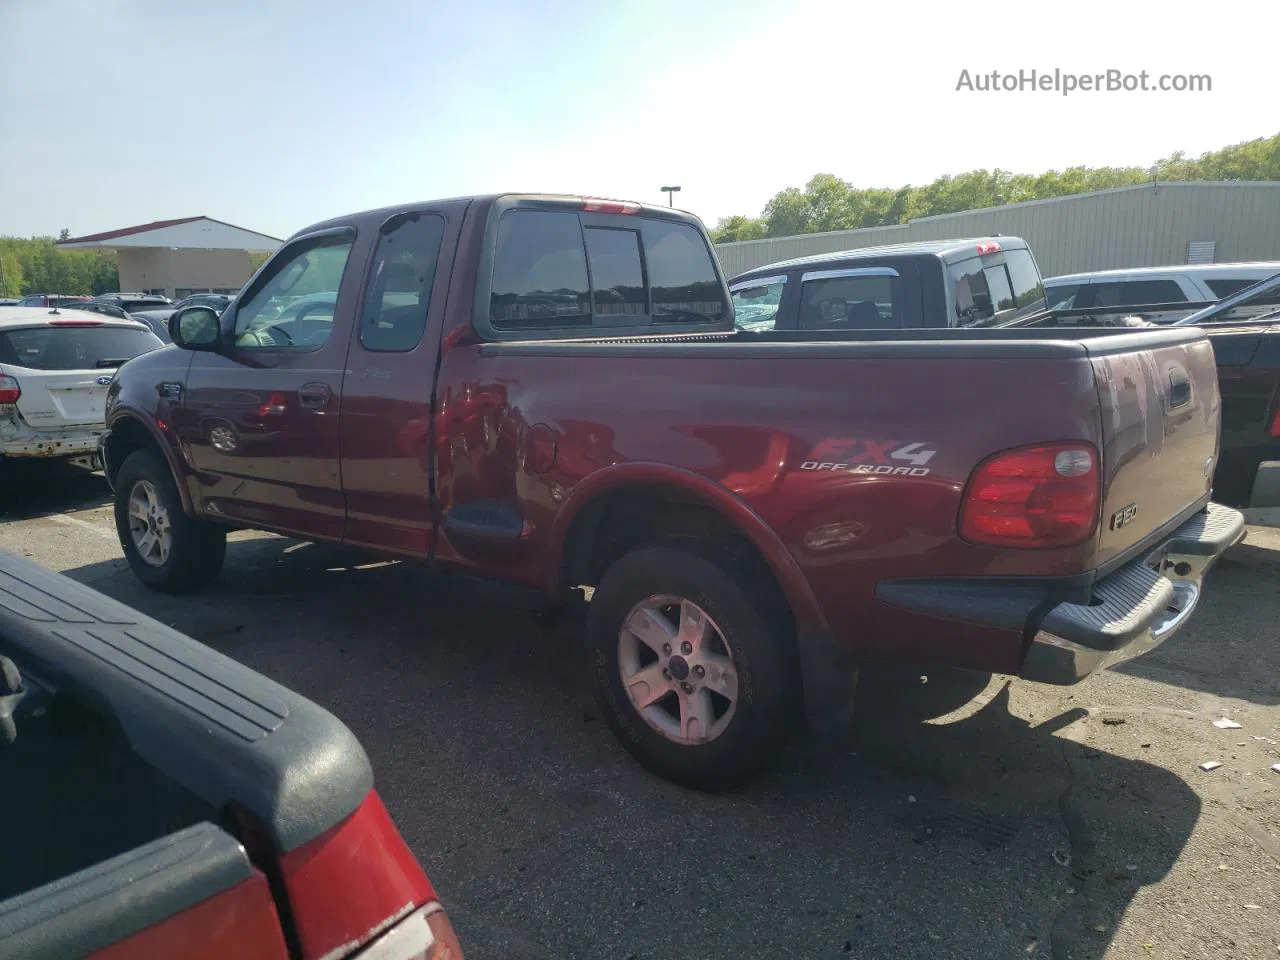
<point x="38" y="488"/>
<point x="987" y="836"/>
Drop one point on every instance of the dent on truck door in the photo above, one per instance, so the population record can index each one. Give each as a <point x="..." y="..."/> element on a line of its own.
<point x="260" y="422"/>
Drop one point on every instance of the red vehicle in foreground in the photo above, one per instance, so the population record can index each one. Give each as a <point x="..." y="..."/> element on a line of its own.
<point x="551" y="391"/>
<point x="161" y="800"/>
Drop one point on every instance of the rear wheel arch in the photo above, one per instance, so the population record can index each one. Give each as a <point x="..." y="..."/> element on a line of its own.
<point x="622" y="508"/>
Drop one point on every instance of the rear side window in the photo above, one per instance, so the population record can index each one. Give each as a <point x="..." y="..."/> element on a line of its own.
<point x="867" y="301"/>
<point x="1225" y="288"/>
<point x="555" y="269"/>
<point x="399" y="291"/>
<point x="74" y="348"/>
<point x="1132" y="293"/>
<point x="1024" y="277"/>
<point x="539" y="271"/>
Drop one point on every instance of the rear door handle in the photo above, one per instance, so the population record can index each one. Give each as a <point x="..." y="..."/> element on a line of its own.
<point x="1179" y="389"/>
<point x="314" y="396"/>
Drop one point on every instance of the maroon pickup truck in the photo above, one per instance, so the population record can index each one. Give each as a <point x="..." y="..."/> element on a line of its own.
<point x="551" y="391"/>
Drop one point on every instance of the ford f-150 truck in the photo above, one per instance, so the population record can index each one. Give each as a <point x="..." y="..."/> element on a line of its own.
<point x="551" y="391"/>
<point x="160" y="800"/>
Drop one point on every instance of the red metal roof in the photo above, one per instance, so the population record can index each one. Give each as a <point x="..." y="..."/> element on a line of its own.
<point x="129" y="231"/>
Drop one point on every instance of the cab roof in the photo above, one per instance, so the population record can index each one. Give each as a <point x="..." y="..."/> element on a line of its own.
<point x="946" y="250"/>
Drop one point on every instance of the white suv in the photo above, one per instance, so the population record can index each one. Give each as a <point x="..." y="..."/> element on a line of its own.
<point x="55" y="367"/>
<point x="1185" y="283"/>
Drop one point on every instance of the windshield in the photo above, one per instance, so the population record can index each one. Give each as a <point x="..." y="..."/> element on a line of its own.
<point x="74" y="348"/>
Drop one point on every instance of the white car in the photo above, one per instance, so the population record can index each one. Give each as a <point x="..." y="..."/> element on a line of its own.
<point x="55" y="368"/>
<point x="1184" y="283"/>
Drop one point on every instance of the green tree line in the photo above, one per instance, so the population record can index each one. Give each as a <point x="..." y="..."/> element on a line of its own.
<point x="829" y="203"/>
<point x="34" y="265"/>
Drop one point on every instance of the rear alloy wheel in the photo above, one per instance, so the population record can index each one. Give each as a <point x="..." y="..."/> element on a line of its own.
<point x="678" y="670"/>
<point x="695" y="678"/>
<point x="166" y="549"/>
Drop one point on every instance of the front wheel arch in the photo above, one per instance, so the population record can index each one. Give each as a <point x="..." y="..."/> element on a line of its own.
<point x="129" y="433"/>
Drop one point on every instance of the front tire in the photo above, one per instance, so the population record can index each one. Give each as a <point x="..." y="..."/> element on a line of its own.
<point x="167" y="550"/>
<point x="697" y="679"/>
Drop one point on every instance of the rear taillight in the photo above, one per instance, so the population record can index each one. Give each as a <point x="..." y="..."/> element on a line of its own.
<point x="10" y="389"/>
<point x="1275" y="424"/>
<point x="1041" y="496"/>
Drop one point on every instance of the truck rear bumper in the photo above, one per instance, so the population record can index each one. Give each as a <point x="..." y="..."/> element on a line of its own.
<point x="1120" y="616"/>
<point x="1266" y="485"/>
<point x="1136" y="608"/>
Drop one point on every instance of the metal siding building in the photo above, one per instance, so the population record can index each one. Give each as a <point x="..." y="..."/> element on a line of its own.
<point x="1143" y="226"/>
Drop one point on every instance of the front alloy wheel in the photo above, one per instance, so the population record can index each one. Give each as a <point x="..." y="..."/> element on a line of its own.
<point x="149" y="524"/>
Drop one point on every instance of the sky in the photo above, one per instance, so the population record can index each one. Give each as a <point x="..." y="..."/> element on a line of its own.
<point x="273" y="114"/>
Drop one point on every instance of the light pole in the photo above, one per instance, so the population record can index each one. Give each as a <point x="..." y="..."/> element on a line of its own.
<point x="671" y="195"/>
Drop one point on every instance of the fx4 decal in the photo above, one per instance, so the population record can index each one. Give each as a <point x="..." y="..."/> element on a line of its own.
<point x="880" y="457"/>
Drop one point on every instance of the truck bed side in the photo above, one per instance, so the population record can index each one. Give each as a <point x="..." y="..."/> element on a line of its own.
<point x="854" y="455"/>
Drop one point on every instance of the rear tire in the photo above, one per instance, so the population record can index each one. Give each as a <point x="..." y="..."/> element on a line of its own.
<point x="669" y="590"/>
<point x="192" y="554"/>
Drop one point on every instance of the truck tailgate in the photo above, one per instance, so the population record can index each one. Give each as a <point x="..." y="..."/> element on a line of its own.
<point x="1159" y="402"/>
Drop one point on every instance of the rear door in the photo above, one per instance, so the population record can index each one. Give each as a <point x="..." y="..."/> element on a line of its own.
<point x="1160" y="409"/>
<point x="63" y="368"/>
<point x="261" y="421"/>
<point x="386" y="394"/>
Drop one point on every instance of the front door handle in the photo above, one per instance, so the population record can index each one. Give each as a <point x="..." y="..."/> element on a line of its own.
<point x="314" y="396"/>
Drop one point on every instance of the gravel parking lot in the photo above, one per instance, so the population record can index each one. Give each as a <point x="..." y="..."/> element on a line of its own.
<point x="962" y="817"/>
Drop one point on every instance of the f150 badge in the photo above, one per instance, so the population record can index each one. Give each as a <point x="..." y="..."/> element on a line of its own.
<point x="1124" y="516"/>
<point x="880" y="457"/>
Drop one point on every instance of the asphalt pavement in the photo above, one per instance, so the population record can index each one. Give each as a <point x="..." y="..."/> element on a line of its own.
<point x="963" y="816"/>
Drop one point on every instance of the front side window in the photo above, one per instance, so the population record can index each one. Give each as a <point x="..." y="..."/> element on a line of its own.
<point x="294" y="308"/>
<point x="556" y="269"/>
<point x="1061" y="298"/>
<point x="399" y="291"/>
<point x="755" y="303"/>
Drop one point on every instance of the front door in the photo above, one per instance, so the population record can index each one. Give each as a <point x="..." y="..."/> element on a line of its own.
<point x="260" y="419"/>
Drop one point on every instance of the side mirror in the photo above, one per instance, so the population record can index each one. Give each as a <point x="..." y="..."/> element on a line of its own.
<point x="195" y="328"/>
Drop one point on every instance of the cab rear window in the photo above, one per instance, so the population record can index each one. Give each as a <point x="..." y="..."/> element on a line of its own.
<point x="74" y="348"/>
<point x="559" y="269"/>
